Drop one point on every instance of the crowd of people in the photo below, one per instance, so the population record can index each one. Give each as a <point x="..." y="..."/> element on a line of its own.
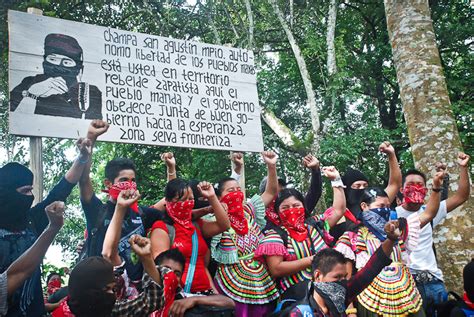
<point x="207" y="250"/>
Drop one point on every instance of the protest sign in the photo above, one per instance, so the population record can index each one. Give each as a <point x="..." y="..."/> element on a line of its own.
<point x="152" y="90"/>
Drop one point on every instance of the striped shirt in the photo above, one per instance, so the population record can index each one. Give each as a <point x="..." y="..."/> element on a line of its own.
<point x="3" y="294"/>
<point x="294" y="251"/>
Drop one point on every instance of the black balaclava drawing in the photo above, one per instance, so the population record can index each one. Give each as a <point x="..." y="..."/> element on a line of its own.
<point x="63" y="45"/>
<point x="14" y="205"/>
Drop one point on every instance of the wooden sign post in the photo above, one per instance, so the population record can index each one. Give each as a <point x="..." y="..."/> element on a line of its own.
<point x="36" y="150"/>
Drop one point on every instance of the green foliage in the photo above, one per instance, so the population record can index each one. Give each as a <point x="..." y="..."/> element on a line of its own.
<point x="359" y="106"/>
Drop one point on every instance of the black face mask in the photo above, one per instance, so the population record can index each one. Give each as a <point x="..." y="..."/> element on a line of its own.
<point x="353" y="197"/>
<point x="94" y="303"/>
<point x="69" y="74"/>
<point x="13" y="209"/>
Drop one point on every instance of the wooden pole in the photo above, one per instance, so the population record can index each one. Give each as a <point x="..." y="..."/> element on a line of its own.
<point x="36" y="149"/>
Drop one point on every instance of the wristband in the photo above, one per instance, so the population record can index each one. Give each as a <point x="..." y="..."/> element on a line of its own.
<point x="338" y="183"/>
<point x="351" y="311"/>
<point x="436" y="190"/>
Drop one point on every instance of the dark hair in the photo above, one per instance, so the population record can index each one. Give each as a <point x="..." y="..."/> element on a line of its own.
<point x="326" y="259"/>
<point x="177" y="186"/>
<point x="113" y="168"/>
<point x="287" y="193"/>
<point x="51" y="275"/>
<point x="468" y="278"/>
<point x="413" y="172"/>
<point x="171" y="254"/>
<point x="220" y="185"/>
<point x="370" y="194"/>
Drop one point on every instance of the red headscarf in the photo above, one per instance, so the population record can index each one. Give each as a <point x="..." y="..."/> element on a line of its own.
<point x="181" y="211"/>
<point x="271" y="214"/>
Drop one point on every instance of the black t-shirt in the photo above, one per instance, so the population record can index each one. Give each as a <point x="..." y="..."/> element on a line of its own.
<point x="132" y="224"/>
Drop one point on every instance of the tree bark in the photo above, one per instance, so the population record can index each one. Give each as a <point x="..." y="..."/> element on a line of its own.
<point x="431" y="125"/>
<point x="331" y="31"/>
<point x="279" y="128"/>
<point x="248" y="7"/>
<point x="311" y="96"/>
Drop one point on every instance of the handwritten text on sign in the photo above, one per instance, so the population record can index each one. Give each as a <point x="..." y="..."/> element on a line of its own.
<point x="152" y="90"/>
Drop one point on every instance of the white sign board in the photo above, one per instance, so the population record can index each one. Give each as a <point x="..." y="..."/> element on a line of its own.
<point x="151" y="89"/>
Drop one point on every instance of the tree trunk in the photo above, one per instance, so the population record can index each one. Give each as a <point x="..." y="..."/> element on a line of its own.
<point x="331" y="31"/>
<point x="431" y="126"/>
<point x="248" y="7"/>
<point x="311" y="101"/>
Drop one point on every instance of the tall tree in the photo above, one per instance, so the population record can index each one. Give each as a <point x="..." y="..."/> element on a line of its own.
<point x="431" y="125"/>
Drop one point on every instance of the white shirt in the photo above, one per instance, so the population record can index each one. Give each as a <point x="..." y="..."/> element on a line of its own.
<point x="423" y="257"/>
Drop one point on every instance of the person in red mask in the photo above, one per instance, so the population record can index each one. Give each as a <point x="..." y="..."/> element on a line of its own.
<point x="120" y="175"/>
<point x="289" y="249"/>
<point x="423" y="265"/>
<point x="177" y="230"/>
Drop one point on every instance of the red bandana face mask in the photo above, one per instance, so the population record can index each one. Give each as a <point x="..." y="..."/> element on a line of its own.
<point x="271" y="214"/>
<point x="170" y="284"/>
<point x="181" y="211"/>
<point x="53" y="286"/>
<point x="293" y="220"/>
<point x="235" y="205"/>
<point x="116" y="188"/>
<point x="414" y="194"/>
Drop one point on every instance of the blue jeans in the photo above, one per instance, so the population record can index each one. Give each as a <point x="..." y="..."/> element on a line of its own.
<point x="432" y="292"/>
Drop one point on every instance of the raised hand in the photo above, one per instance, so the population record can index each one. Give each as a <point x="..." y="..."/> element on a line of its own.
<point x="96" y="129"/>
<point x="237" y="158"/>
<point x="84" y="146"/>
<point x="49" y="87"/>
<point x="206" y="190"/>
<point x="127" y="197"/>
<point x="331" y="172"/>
<point x="140" y="245"/>
<point x="55" y="213"/>
<point x="438" y="178"/>
<point x="309" y="161"/>
<point x="440" y="167"/>
<point x="386" y="148"/>
<point x="392" y="229"/>
<point x="169" y="159"/>
<point x="269" y="157"/>
<point x="463" y="159"/>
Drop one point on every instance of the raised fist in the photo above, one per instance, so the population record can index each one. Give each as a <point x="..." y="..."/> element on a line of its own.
<point x="127" y="197"/>
<point x="463" y="159"/>
<point x="309" y="161"/>
<point x="140" y="245"/>
<point x="386" y="148"/>
<point x="169" y="159"/>
<point x="96" y="129"/>
<point x="392" y="229"/>
<point x="49" y="87"/>
<point x="269" y="157"/>
<point x="55" y="213"/>
<point x="206" y="189"/>
<point x="237" y="158"/>
<point x="331" y="172"/>
<point x="438" y="178"/>
<point x="84" y="146"/>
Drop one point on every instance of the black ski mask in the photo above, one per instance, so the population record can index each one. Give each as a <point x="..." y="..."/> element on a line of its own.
<point x="14" y="205"/>
<point x="61" y="44"/>
<point x="353" y="196"/>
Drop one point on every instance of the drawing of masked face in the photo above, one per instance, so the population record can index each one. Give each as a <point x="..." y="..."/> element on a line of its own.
<point x="63" y="57"/>
<point x="57" y="65"/>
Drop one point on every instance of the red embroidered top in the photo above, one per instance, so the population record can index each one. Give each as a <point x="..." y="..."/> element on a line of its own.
<point x="183" y="241"/>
